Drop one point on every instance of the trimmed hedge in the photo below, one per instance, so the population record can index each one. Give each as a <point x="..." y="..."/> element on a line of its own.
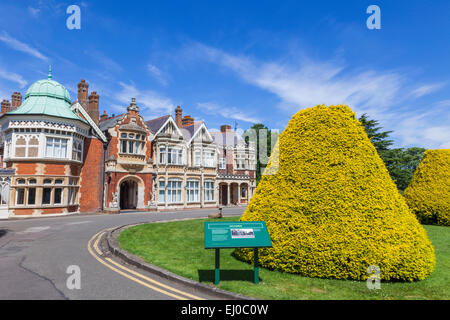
<point x="331" y="208"/>
<point x="428" y="194"/>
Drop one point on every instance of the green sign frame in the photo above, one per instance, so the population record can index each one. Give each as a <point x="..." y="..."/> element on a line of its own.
<point x="240" y="234"/>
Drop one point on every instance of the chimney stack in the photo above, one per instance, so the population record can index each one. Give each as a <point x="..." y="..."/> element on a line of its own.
<point x="93" y="106"/>
<point x="83" y="94"/>
<point x="104" y="116"/>
<point x="225" y="128"/>
<point x="178" y="115"/>
<point x="5" y="107"/>
<point x="16" y="100"/>
<point x="187" y="121"/>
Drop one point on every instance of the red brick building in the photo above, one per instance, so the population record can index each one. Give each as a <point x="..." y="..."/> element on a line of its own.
<point x="60" y="157"/>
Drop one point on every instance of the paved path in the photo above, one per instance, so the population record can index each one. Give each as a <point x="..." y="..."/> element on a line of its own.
<point x="35" y="255"/>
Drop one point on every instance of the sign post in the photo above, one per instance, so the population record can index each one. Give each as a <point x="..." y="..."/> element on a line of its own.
<point x="241" y="234"/>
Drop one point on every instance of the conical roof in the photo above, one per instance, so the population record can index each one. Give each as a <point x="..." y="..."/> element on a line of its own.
<point x="47" y="97"/>
<point x="331" y="208"/>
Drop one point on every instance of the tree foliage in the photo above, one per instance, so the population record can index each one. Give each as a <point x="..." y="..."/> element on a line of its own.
<point x="401" y="163"/>
<point x="330" y="206"/>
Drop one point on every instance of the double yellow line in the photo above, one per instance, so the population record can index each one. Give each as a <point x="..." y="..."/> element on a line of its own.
<point x="128" y="273"/>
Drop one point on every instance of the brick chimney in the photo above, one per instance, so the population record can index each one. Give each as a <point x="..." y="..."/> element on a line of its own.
<point x="83" y="94"/>
<point x="93" y="106"/>
<point x="104" y="116"/>
<point x="16" y="100"/>
<point x="225" y="128"/>
<point x="5" y="106"/>
<point x="187" y="121"/>
<point x="178" y="115"/>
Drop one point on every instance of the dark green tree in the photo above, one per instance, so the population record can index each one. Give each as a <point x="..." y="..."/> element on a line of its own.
<point x="259" y="132"/>
<point x="401" y="163"/>
<point x="379" y="138"/>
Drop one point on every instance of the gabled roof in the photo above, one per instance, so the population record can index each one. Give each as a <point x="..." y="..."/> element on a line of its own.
<point x="189" y="132"/>
<point x="155" y="124"/>
<point x="76" y="106"/>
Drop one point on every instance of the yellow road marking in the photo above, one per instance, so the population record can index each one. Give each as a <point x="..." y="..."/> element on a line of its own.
<point x="98" y="236"/>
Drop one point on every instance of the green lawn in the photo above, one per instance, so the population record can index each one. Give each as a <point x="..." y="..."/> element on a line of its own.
<point x="179" y="247"/>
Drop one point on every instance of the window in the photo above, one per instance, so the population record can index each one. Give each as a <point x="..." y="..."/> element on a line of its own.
<point x="208" y="159"/>
<point x="57" y="196"/>
<point x="209" y="190"/>
<point x="131" y="143"/>
<point x="21" y="146"/>
<point x="56" y="148"/>
<point x="162" y="191"/>
<point x="197" y="158"/>
<point x="192" y="191"/>
<point x="162" y="155"/>
<point x="174" y="156"/>
<point x="76" y="150"/>
<point x="20" y="196"/>
<point x="46" y="195"/>
<point x="240" y="161"/>
<point x="73" y="191"/>
<point x="222" y="163"/>
<point x="174" y="191"/>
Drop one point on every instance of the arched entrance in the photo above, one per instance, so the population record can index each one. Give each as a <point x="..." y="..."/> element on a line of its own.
<point x="128" y="194"/>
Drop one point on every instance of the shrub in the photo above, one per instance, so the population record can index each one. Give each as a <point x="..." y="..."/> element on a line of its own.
<point x="331" y="208"/>
<point x="428" y="195"/>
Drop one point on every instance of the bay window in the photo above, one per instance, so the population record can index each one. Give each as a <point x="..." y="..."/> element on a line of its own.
<point x="56" y="147"/>
<point x="208" y="159"/>
<point x="131" y="143"/>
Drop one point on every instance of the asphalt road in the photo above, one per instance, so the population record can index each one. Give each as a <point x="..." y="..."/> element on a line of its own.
<point x="36" y="253"/>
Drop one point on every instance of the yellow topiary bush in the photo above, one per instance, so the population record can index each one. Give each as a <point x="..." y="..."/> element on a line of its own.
<point x="331" y="207"/>
<point x="428" y="194"/>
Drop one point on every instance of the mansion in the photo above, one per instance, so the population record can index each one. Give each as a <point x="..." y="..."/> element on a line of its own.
<point x="59" y="157"/>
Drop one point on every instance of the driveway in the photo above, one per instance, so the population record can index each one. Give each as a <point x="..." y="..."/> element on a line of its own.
<point x="35" y="255"/>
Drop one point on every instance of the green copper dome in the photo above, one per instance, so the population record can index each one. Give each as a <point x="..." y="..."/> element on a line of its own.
<point x="47" y="97"/>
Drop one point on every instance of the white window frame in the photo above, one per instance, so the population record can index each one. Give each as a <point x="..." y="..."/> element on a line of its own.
<point x="174" y="191"/>
<point x="208" y="190"/>
<point x="193" y="190"/>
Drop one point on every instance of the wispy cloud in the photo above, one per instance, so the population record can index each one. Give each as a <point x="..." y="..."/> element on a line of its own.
<point x="156" y="73"/>
<point x="212" y="108"/>
<point x="11" y="76"/>
<point x="34" y="11"/>
<point x="107" y="63"/>
<point x="151" y="103"/>
<point x="426" y="89"/>
<point x="383" y="94"/>
<point x="20" y="46"/>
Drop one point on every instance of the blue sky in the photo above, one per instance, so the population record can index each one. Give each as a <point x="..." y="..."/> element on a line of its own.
<point x="244" y="61"/>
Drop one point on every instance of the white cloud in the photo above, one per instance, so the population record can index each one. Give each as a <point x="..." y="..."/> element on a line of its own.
<point x="34" y="11"/>
<point x="383" y="95"/>
<point x="226" y="112"/>
<point x="20" y="46"/>
<point x="426" y="89"/>
<point x="107" y="63"/>
<point x="151" y="103"/>
<point x="156" y="73"/>
<point x="11" y="76"/>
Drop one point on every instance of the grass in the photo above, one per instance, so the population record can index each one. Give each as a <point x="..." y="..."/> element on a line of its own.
<point x="179" y="247"/>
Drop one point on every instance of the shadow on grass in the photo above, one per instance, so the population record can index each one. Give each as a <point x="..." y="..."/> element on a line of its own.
<point x="226" y="275"/>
